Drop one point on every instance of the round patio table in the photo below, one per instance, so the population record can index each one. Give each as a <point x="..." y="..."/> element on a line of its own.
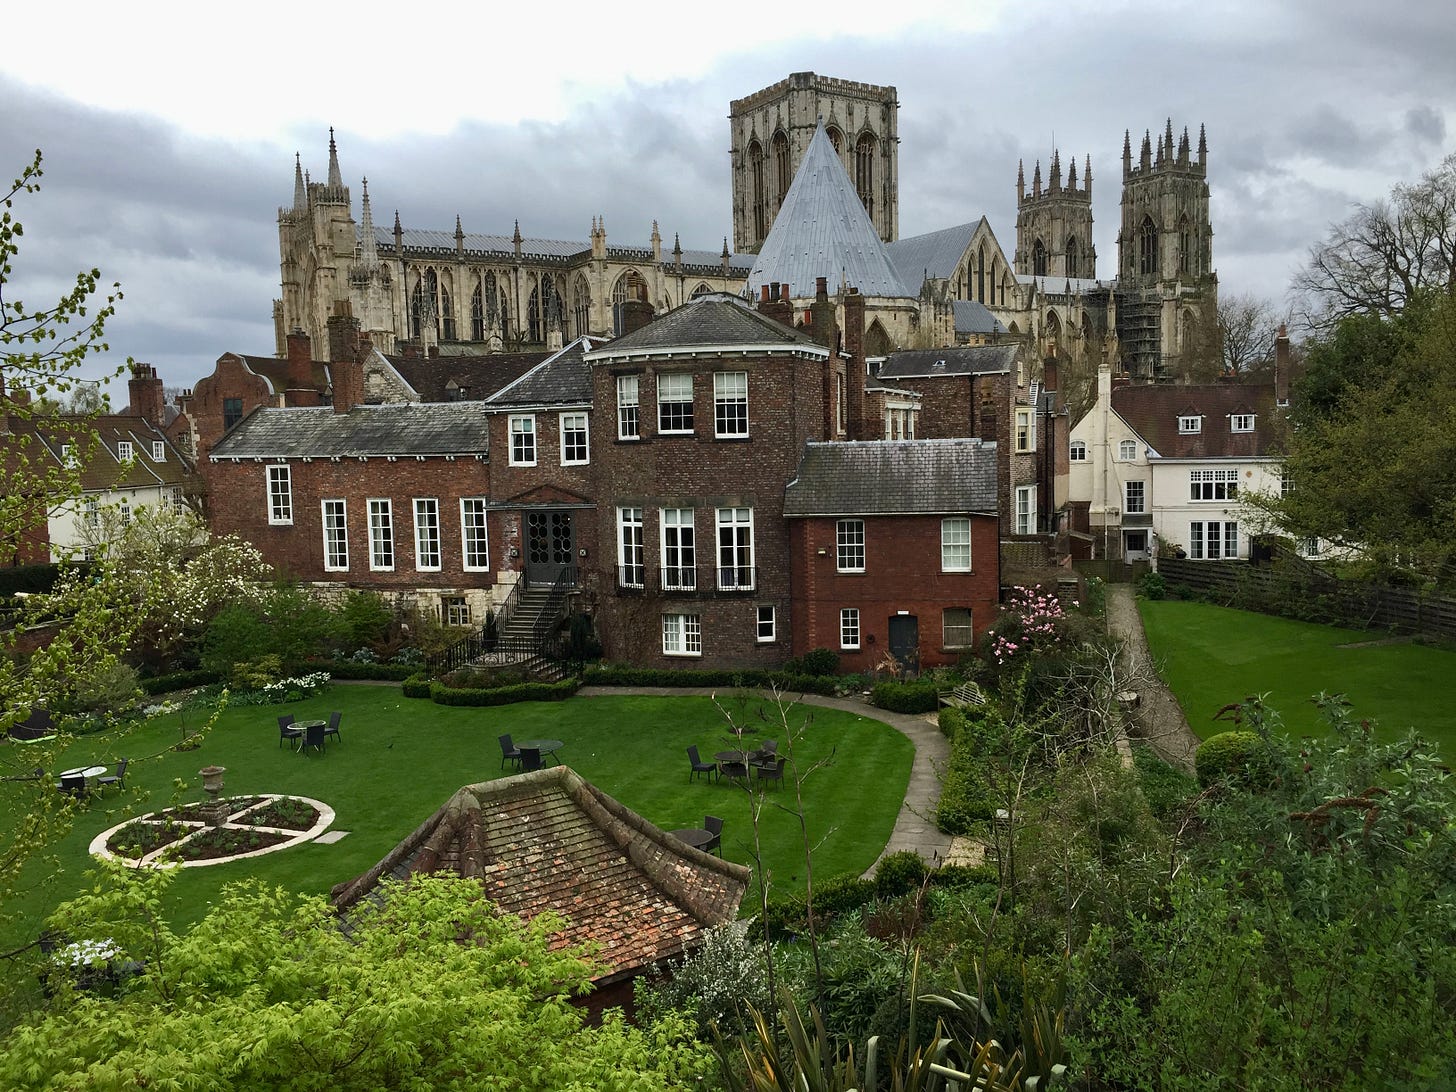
<point x="84" y="771"/>
<point x="693" y="836"/>
<point x="545" y="746"/>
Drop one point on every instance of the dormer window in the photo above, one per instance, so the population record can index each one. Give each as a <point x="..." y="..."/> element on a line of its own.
<point x="1241" y="422"/>
<point x="1190" y="423"/>
<point x="159" y="451"/>
<point x="124" y="450"/>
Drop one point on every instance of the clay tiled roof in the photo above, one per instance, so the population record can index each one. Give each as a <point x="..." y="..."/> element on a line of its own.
<point x="1153" y="411"/>
<point x="954" y="360"/>
<point x="549" y="840"/>
<point x="712" y="321"/>
<point x="472" y="378"/>
<point x="893" y="478"/>
<point x="562" y="379"/>
<point x="106" y="466"/>
<point x="395" y="428"/>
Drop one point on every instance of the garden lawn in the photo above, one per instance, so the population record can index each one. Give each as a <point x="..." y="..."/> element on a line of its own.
<point x="400" y="759"/>
<point x="1211" y="656"/>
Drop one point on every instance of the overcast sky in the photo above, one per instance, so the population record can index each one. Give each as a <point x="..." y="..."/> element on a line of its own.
<point x="169" y="139"/>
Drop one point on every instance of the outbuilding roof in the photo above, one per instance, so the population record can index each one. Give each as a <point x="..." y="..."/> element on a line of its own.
<point x="564" y="378"/>
<point x="395" y="428"/>
<point x="459" y="378"/>
<point x="715" y="320"/>
<point x="893" y="478"/>
<point x="551" y="841"/>
<point x="949" y="361"/>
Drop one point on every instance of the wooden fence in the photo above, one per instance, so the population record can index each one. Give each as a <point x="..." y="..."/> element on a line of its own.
<point x="1298" y="589"/>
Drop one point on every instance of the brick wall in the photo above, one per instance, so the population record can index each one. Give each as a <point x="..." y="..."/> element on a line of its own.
<point x="902" y="577"/>
<point x="231" y="378"/>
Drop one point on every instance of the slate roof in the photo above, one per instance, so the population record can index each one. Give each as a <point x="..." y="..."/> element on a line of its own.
<point x="105" y="468"/>
<point x="396" y="428"/>
<point x="893" y="478"/>
<point x="713" y="320"/>
<point x="478" y="377"/>
<point x="564" y="378"/>
<point x="972" y="317"/>
<point x="549" y="840"/>
<point x="1153" y="411"/>
<point x="504" y="246"/>
<point x="822" y="230"/>
<point x="936" y="254"/>
<point x="952" y="360"/>
<point x="275" y="370"/>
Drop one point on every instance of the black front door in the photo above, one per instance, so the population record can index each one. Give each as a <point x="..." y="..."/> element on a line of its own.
<point x="550" y="545"/>
<point x="905" y="640"/>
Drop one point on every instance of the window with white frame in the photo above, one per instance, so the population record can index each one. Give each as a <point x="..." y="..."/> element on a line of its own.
<point x="381" y="535"/>
<point x="1134" y="498"/>
<point x="473" y="541"/>
<point x="682" y="635"/>
<point x="675" y="403"/>
<point x="850" y="545"/>
<point x="159" y="451"/>
<point x="735" y="549"/>
<point x="1025" y="430"/>
<point x="124" y="510"/>
<point x="899" y="421"/>
<point x="630" y="566"/>
<point x="1241" y="422"/>
<point x="955" y="628"/>
<point x="849" y="628"/>
<point x="1286" y="483"/>
<point x="336" y="535"/>
<point x="1213" y="485"/>
<point x="575" y="448"/>
<point x="1127" y="450"/>
<point x="178" y="500"/>
<point x="93" y="511"/>
<point x="955" y="545"/>
<point x="1026" y="510"/>
<point x="679" y="550"/>
<point x="730" y="404"/>
<point x="427" y="534"/>
<point x="767" y="623"/>
<point x="1190" y="423"/>
<point x="68" y="456"/>
<point x="124" y="450"/>
<point x="280" y="494"/>
<point x="523" y="439"/>
<point x="1077" y="453"/>
<point x="1210" y="540"/>
<point x="629" y="422"/>
<point x="455" y="610"/>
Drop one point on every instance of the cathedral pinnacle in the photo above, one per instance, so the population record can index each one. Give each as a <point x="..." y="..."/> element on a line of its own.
<point x="1020" y="180"/>
<point x="516" y="239"/>
<point x="1202" y="147"/>
<point x="1056" y="172"/>
<point x="300" y="194"/>
<point x="1087" y="174"/>
<point x="1036" y="180"/>
<point x="369" y="251"/>
<point x="335" y="178"/>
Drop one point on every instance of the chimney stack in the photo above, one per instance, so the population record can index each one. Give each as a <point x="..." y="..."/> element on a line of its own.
<point x="343" y="335"/>
<point x="855" y="369"/>
<point x="635" y="315"/>
<point x="348" y="377"/>
<point x="147" y="398"/>
<point x="300" y="359"/>
<point x="775" y="304"/>
<point x="1281" y="367"/>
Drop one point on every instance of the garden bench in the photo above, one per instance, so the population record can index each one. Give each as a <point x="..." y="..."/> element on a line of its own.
<point x="963" y="695"/>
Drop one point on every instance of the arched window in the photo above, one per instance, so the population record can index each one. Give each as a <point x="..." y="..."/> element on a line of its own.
<point x="1185" y="246"/>
<point x="1127" y="450"/>
<point x="550" y="303"/>
<point x="1053" y="332"/>
<point x="864" y="172"/>
<point x="447" y="311"/>
<point x="1038" y="259"/>
<point x="1187" y="331"/>
<point x="757" y="194"/>
<point x="580" y="308"/>
<point x="535" y="327"/>
<point x="981" y="274"/>
<point x="1078" y="451"/>
<point x="782" y="175"/>
<point x="1148" y="246"/>
<point x="417" y="310"/>
<point x="702" y="290"/>
<point x="836" y="138"/>
<point x="1074" y="257"/>
<point x="477" y="313"/>
<point x="629" y="286"/>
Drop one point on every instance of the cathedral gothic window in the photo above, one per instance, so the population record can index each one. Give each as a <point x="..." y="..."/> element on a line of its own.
<point x="477" y="314"/>
<point x="534" y="317"/>
<point x="447" y="316"/>
<point x="1148" y="246"/>
<point x="758" y="195"/>
<point x="580" y="307"/>
<point x="782" y="174"/>
<point x="1074" y="257"/>
<point x="836" y="138"/>
<point x="417" y="311"/>
<point x="981" y="275"/>
<point x="864" y="172"/>
<point x="1185" y="246"/>
<point x="1038" y="259"/>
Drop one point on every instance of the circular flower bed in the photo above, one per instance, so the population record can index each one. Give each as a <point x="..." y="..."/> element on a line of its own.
<point x="254" y="825"/>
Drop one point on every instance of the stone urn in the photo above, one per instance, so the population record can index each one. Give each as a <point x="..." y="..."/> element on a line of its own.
<point x="215" y="809"/>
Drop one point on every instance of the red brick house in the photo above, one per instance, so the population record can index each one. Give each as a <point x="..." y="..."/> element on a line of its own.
<point x="894" y="549"/>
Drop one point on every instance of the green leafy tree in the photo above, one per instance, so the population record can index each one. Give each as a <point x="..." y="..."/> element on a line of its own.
<point x="429" y="988"/>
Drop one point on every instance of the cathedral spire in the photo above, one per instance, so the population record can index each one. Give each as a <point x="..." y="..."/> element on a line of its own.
<point x="1202" y="147"/>
<point x="1020" y="181"/>
<point x="1126" y="153"/>
<point x="1087" y="175"/>
<point x="516" y="239"/>
<point x="1170" y="138"/>
<point x="1145" y="160"/>
<point x="1036" y="180"/>
<point x="1056" y="172"/>
<point x="300" y="194"/>
<point x="398" y="237"/>
<point x="1183" y="148"/>
<point x="1072" y="175"/>
<point x="459" y="236"/>
<point x="335" y="178"/>
<point x="368" y="246"/>
<point x="676" y="250"/>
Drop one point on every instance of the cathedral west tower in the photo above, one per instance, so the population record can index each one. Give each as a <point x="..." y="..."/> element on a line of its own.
<point x="1054" y="225"/>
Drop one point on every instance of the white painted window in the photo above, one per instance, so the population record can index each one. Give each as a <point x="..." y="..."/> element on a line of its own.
<point x="473" y="538"/>
<point x="629" y="423"/>
<point x="850" y="545"/>
<point x="1134" y="498"/>
<point x="631" y="572"/>
<point x="682" y="635"/>
<point x="767" y="623"/>
<point x="159" y="451"/>
<point x="280" y="494"/>
<point x="1127" y="451"/>
<point x="124" y="450"/>
<point x="679" y="550"/>
<point x="1077" y="453"/>
<point x="1241" y="422"/>
<point x="381" y="535"/>
<point x="1213" y="485"/>
<point x="427" y="534"/>
<point x="1025" y="430"/>
<point x="523" y="439"/>
<point x="1190" y="423"/>
<point x="735" y="549"/>
<point x="124" y="509"/>
<point x="675" y="403"/>
<point x="575" y="450"/>
<point x="730" y="404"/>
<point x="1026" y="509"/>
<point x="955" y="545"/>
<point x="455" y="610"/>
<point x="849" y="628"/>
<point x="1210" y="540"/>
<point x="336" y="535"/>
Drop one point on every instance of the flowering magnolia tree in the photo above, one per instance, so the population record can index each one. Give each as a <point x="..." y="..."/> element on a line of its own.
<point x="1032" y="620"/>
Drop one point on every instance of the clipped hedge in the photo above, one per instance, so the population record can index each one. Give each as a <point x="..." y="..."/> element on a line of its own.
<point x="504" y="695"/>
<point x="352" y="669"/>
<point x="615" y="675"/>
<point x="417" y="686"/>
<point x="34" y="579"/>
<point x="1240" y="758"/>
<point x="179" y="680"/>
<point x="920" y="696"/>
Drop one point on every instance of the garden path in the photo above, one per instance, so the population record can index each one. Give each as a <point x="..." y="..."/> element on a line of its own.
<point x="1159" y="720"/>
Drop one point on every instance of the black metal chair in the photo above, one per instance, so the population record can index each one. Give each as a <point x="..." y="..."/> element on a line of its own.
<point x="530" y="758"/>
<point x="313" y="736"/>
<point x="714" y="826"/>
<point x="287" y="731"/>
<point x="774" y="772"/>
<point x="73" y="785"/>
<point x="767" y="751"/>
<point x="699" y="766"/>
<point x="333" y="727"/>
<point x="118" y="778"/>
<point x="509" y="752"/>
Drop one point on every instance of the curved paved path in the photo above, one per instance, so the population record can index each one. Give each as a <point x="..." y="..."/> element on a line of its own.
<point x="915" y="828"/>
<point x="1159" y="718"/>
